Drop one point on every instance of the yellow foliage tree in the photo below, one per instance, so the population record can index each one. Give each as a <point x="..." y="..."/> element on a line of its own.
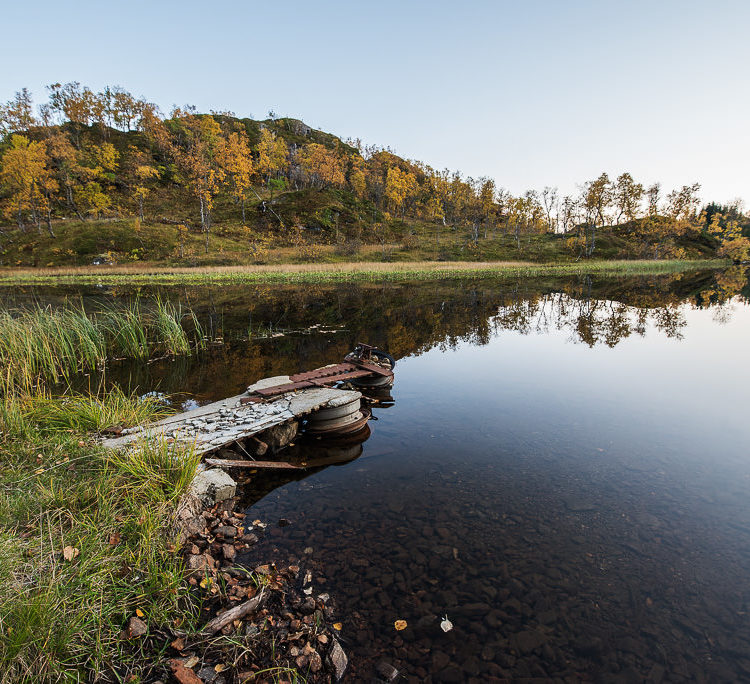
<point x="236" y="160"/>
<point x="272" y="155"/>
<point x="400" y="186"/>
<point x="322" y="167"/>
<point x="26" y="177"/>
<point x="198" y="161"/>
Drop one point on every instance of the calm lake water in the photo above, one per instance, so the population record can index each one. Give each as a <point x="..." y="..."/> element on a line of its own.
<point x="564" y="471"/>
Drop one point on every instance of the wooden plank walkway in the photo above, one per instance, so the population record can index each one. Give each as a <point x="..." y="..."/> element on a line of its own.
<point x="224" y="422"/>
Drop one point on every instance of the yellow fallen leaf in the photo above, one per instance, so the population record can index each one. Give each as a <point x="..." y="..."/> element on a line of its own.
<point x="220" y="668"/>
<point x="338" y="626"/>
<point x="70" y="552"/>
<point x="191" y="662"/>
<point x="139" y="612"/>
<point x="205" y="582"/>
<point x="399" y="625"/>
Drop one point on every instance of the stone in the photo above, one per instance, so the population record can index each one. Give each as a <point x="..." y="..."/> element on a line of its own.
<point x="386" y="671"/>
<point x="452" y="673"/>
<point x="136" y="629"/>
<point x="280" y="435"/>
<point x="198" y="565"/>
<point x="440" y="660"/>
<point x="338" y="659"/>
<point x="528" y="640"/>
<point x="212" y="486"/>
<point x="226" y="531"/>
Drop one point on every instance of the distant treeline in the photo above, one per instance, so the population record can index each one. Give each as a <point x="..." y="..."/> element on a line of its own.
<point x="109" y="154"/>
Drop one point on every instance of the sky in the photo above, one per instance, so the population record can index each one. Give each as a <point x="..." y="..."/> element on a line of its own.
<point x="528" y="92"/>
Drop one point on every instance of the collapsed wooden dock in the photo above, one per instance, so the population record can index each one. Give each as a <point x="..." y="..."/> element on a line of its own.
<point x="267" y="404"/>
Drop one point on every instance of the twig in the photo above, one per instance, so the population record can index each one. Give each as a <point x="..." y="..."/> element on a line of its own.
<point x="236" y="613"/>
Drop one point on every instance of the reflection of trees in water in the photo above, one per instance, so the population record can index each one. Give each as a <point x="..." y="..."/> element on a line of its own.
<point x="410" y="319"/>
<point x="591" y="321"/>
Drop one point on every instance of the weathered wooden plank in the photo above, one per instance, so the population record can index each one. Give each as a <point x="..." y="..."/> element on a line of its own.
<point x="224" y="422"/>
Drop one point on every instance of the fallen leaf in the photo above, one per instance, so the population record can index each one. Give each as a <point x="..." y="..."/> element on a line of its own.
<point x="178" y="644"/>
<point x="81" y="443"/>
<point x="399" y="625"/>
<point x="205" y="582"/>
<point x="183" y="674"/>
<point x="114" y="539"/>
<point x="192" y="661"/>
<point x="70" y="552"/>
<point x="338" y="626"/>
<point x="139" y="612"/>
<point x="220" y="667"/>
<point x="446" y="625"/>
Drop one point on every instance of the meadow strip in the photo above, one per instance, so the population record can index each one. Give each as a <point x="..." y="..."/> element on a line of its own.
<point x="343" y="272"/>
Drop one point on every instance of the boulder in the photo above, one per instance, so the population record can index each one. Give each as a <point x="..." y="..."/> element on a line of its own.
<point x="212" y="486"/>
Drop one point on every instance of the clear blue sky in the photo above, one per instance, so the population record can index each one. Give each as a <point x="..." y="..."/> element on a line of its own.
<point x="530" y="92"/>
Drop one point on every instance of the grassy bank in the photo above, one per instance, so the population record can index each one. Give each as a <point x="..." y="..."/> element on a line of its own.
<point x="341" y="272"/>
<point x="86" y="535"/>
<point x="85" y="539"/>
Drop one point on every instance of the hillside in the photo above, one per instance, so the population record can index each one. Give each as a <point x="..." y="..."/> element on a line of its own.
<point x="97" y="178"/>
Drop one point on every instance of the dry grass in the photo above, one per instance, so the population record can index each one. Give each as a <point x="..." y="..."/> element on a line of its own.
<point x="344" y="267"/>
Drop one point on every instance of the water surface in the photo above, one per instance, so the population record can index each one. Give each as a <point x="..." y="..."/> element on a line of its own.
<point x="563" y="473"/>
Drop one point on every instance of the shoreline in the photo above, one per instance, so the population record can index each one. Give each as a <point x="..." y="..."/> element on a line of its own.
<point x="342" y="272"/>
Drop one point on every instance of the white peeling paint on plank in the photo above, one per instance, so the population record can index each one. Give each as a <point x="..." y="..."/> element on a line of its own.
<point x="223" y="422"/>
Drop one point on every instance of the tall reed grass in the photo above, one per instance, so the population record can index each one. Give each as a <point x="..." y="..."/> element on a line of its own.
<point x="46" y="345"/>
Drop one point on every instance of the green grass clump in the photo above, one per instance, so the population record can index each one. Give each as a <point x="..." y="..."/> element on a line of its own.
<point x="46" y="345"/>
<point x="61" y="620"/>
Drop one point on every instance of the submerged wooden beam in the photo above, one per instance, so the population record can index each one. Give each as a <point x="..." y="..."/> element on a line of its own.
<point x="278" y="465"/>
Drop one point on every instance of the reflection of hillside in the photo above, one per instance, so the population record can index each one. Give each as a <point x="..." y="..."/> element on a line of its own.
<point x="410" y="319"/>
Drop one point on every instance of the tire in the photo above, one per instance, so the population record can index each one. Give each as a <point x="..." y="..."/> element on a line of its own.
<point x="385" y="356"/>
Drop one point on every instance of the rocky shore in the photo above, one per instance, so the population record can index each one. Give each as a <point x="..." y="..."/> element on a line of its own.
<point x="264" y="622"/>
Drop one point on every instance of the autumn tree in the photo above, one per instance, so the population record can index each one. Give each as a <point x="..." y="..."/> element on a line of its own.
<point x="596" y="200"/>
<point x="65" y="159"/>
<point x="683" y="204"/>
<point x="356" y="176"/>
<point x="626" y="196"/>
<point x="549" y="201"/>
<point x="97" y="169"/>
<point x="27" y="179"/>
<point x="322" y="167"/>
<point x="139" y="173"/>
<point x="236" y="161"/>
<point x="198" y="161"/>
<point x="400" y="186"/>
<point x="653" y="195"/>
<point x="17" y="115"/>
<point x="732" y="244"/>
<point x="272" y="155"/>
<point x="486" y="197"/>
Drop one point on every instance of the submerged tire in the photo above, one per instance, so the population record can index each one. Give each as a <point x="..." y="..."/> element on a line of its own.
<point x="384" y="356"/>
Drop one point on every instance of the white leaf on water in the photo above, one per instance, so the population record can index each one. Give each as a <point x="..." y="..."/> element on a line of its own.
<point x="307" y="591"/>
<point x="446" y="625"/>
